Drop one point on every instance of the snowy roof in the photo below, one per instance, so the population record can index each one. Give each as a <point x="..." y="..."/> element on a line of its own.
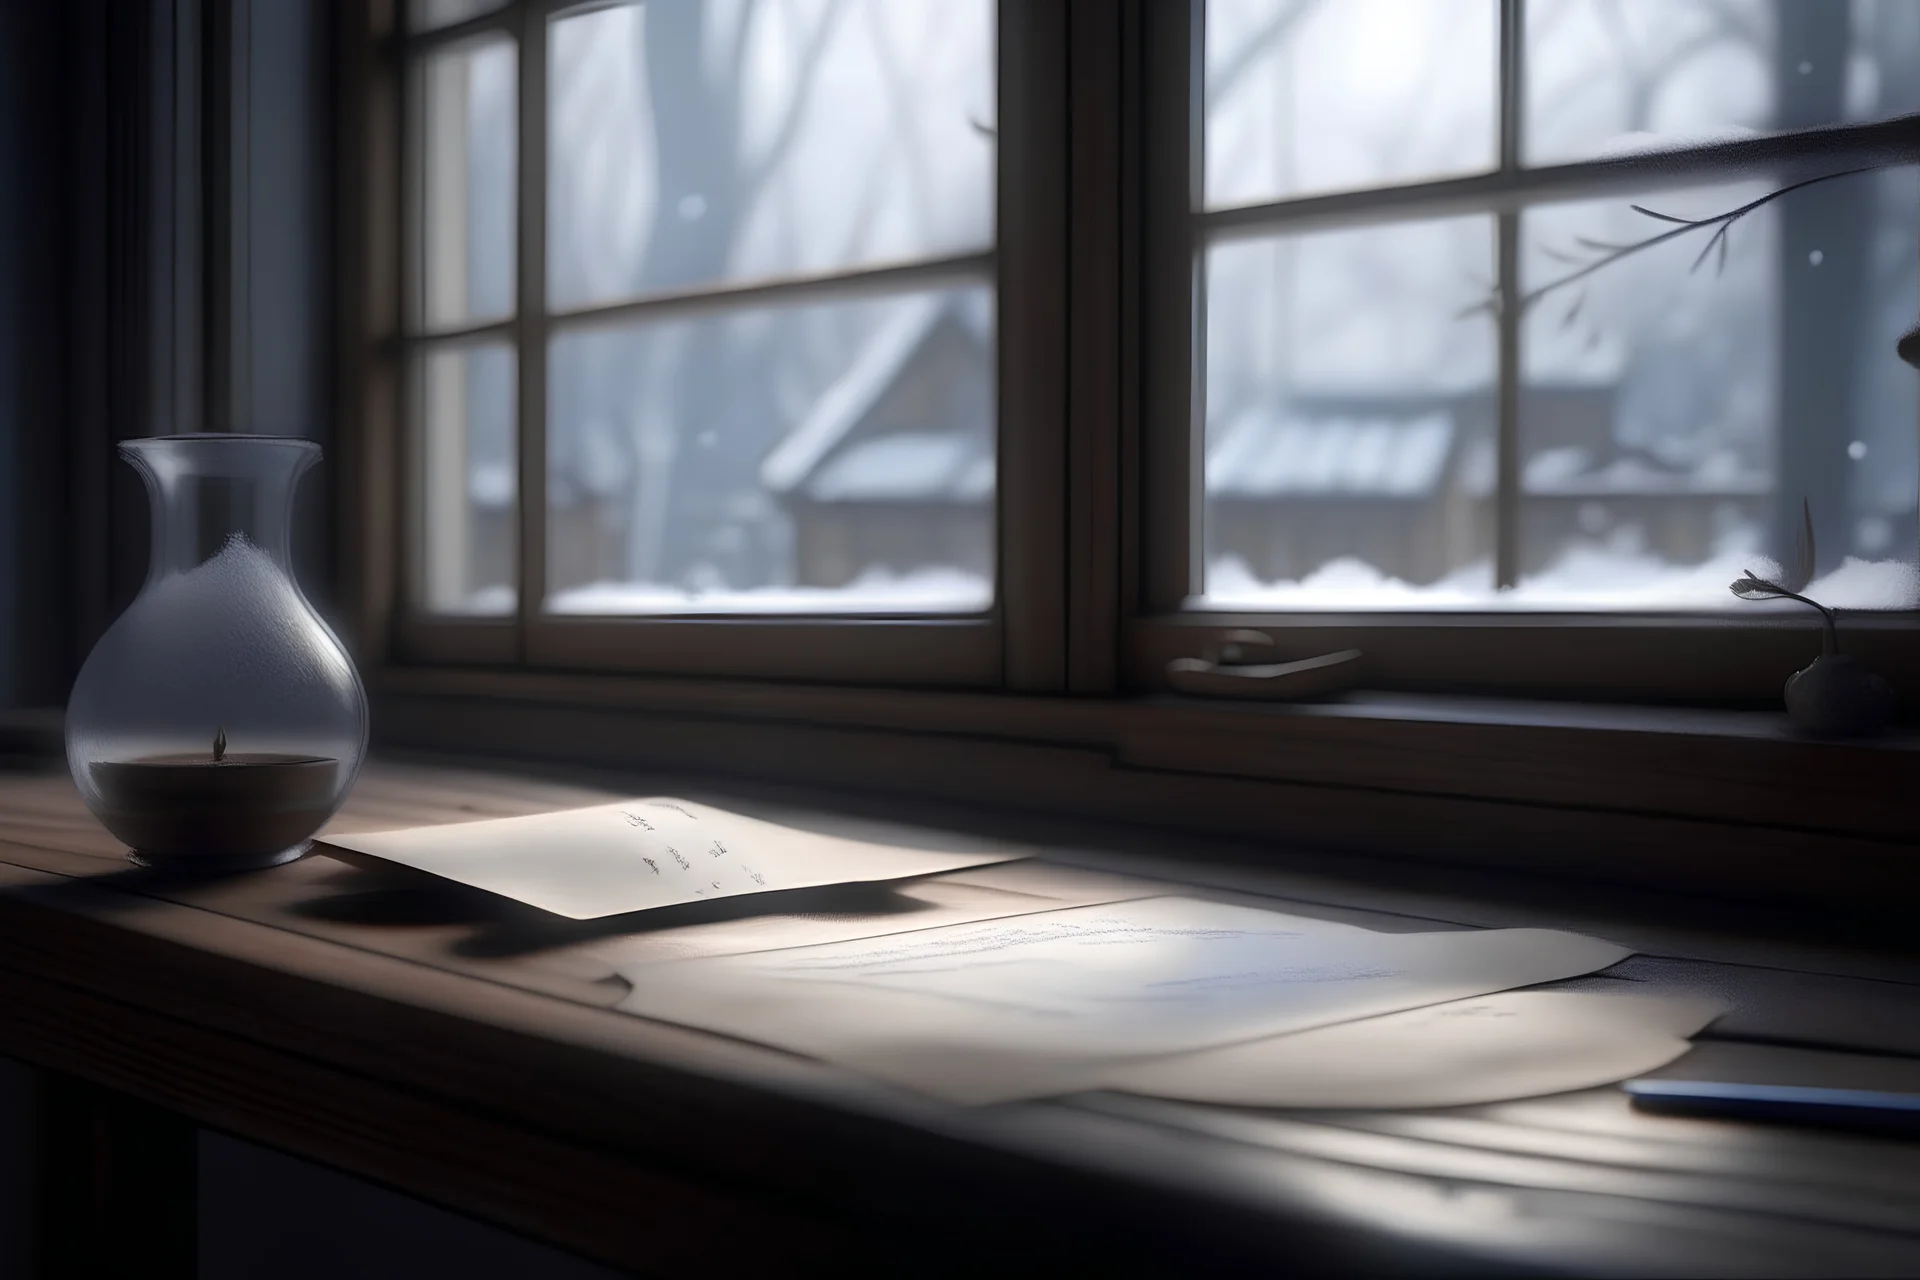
<point x="908" y="466"/>
<point x="1264" y="453"/>
<point x="1570" y="472"/>
<point x="848" y="401"/>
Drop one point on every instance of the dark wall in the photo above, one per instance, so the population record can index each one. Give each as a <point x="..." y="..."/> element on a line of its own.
<point x="16" y="1168"/>
<point x="281" y="149"/>
<point x="267" y="1214"/>
<point x="164" y="238"/>
<point x="32" y="617"/>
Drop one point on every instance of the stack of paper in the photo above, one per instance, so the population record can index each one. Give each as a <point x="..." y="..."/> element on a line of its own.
<point x="1010" y="995"/>
<point x="1183" y="998"/>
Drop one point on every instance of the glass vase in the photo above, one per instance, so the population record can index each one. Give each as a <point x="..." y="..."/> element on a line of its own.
<point x="219" y="722"/>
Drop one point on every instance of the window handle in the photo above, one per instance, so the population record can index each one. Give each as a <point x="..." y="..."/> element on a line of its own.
<point x="1242" y="666"/>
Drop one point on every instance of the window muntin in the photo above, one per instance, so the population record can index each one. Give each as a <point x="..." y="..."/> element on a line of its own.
<point x="826" y="231"/>
<point x="1637" y="439"/>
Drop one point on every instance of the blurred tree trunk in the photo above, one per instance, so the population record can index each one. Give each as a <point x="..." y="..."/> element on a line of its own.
<point x="695" y="102"/>
<point x="694" y="377"/>
<point x="1823" y="304"/>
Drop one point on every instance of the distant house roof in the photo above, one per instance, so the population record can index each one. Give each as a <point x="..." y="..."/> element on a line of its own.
<point x="827" y="458"/>
<point x="1266" y="452"/>
<point x="1572" y="473"/>
<point x="1351" y="446"/>
<point x="908" y="465"/>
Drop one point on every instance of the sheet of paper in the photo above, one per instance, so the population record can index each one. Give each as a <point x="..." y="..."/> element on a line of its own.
<point x="1512" y="1044"/>
<point x="920" y="904"/>
<point x="1050" y="1003"/>
<point x="649" y="852"/>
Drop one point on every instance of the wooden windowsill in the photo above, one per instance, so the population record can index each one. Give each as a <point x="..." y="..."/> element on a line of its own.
<point x="464" y="1052"/>
<point x="1717" y="801"/>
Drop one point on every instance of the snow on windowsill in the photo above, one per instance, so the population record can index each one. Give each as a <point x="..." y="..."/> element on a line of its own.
<point x="1584" y="579"/>
<point x="920" y="591"/>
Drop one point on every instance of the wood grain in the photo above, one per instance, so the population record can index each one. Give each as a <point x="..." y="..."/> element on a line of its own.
<point x="493" y="1079"/>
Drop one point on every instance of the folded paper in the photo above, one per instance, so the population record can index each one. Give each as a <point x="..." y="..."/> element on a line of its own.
<point x="638" y="854"/>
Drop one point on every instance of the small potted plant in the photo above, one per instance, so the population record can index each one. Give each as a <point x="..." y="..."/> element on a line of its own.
<point x="1833" y="696"/>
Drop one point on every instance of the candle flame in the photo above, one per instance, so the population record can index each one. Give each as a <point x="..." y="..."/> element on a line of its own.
<point x="219" y="744"/>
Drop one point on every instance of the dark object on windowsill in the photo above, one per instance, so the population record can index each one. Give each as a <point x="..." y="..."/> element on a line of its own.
<point x="1242" y="668"/>
<point x="1833" y="696"/>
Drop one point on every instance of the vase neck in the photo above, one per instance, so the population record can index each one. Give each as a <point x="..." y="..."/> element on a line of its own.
<point x="207" y="491"/>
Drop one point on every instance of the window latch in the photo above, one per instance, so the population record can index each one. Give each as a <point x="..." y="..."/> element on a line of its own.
<point x="1243" y="665"/>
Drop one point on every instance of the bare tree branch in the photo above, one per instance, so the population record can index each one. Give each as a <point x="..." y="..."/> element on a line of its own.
<point x="1739" y="22"/>
<point x="796" y="107"/>
<point x="1222" y="82"/>
<point x="1647" y="79"/>
<point x="742" y="33"/>
<point x="903" y="109"/>
<point x="1722" y="222"/>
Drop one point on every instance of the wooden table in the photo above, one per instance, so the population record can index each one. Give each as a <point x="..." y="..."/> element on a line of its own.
<point x="468" y="1051"/>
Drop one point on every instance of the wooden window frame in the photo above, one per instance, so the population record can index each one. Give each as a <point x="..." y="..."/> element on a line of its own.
<point x="1700" y="657"/>
<point x="1016" y="643"/>
<point x="1098" y="457"/>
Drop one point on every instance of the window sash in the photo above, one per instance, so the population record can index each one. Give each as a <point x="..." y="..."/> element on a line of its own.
<point x="1016" y="642"/>
<point x="1559" y="652"/>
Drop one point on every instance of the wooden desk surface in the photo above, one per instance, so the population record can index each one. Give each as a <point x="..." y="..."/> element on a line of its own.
<point x="464" y="1050"/>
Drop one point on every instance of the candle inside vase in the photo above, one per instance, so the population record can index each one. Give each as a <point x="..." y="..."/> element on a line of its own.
<point x="219" y="804"/>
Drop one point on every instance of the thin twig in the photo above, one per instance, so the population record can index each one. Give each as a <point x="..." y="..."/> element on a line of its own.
<point x="1752" y="587"/>
<point x="1721" y="221"/>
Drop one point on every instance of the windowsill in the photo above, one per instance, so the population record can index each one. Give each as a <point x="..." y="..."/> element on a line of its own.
<point x="1719" y="801"/>
<point x="1574" y="717"/>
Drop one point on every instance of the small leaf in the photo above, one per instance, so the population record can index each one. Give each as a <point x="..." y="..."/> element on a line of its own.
<point x="985" y="130"/>
<point x="1664" y="217"/>
<point x="1573" y="312"/>
<point x="1600" y="246"/>
<point x="1803" y="548"/>
<point x="1755" y="588"/>
<point x="219" y="744"/>
<point x="1720" y="267"/>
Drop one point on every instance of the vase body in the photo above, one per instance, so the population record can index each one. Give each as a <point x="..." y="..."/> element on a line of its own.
<point x="219" y="722"/>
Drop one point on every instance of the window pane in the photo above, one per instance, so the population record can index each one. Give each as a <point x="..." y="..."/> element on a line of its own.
<point x="1675" y="421"/>
<point x="816" y="136"/>
<point x="1611" y="76"/>
<point x="837" y="456"/>
<point x="1308" y="96"/>
<point x="465" y="470"/>
<point x="466" y="184"/>
<point x="431" y="15"/>
<point x="1350" y="410"/>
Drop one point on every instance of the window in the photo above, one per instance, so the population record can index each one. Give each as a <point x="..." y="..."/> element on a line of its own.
<point x="991" y="343"/>
<point x="703" y="338"/>
<point x="1416" y="398"/>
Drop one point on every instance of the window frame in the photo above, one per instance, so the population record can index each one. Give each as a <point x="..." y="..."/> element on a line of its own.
<point x="1017" y="642"/>
<point x="1095" y="266"/>
<point x="1696" y="656"/>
